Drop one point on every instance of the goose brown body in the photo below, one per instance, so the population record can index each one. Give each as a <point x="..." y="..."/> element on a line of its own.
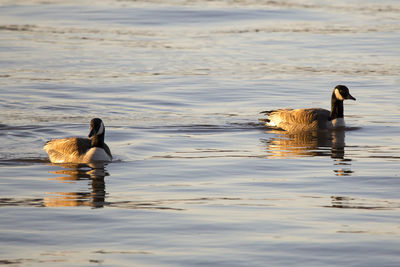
<point x="299" y="119"/>
<point x="71" y="150"/>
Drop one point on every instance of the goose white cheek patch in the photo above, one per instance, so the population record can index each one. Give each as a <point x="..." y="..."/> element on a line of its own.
<point x="101" y="129"/>
<point x="338" y="95"/>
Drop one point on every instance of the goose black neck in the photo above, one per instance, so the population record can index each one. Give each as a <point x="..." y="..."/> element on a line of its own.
<point x="336" y="108"/>
<point x="98" y="140"/>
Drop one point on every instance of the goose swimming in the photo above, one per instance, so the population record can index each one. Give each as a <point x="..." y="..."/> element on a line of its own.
<point x="80" y="150"/>
<point x="293" y="120"/>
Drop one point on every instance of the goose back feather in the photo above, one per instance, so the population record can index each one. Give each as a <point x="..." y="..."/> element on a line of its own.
<point x="299" y="119"/>
<point x="74" y="150"/>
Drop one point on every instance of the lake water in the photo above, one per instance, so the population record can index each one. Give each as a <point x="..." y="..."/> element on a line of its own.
<point x="197" y="180"/>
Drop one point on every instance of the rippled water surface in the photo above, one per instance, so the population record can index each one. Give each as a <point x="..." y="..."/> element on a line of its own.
<point x="197" y="179"/>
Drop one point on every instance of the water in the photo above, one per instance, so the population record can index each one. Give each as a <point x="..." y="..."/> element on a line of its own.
<point x="197" y="180"/>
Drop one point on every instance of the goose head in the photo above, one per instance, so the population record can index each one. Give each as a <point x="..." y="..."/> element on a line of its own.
<point x="96" y="127"/>
<point x="341" y="92"/>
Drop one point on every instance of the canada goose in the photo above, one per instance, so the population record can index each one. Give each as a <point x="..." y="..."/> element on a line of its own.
<point x="294" y="120"/>
<point x="80" y="150"/>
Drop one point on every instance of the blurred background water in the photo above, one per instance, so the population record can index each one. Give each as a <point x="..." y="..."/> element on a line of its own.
<point x="197" y="179"/>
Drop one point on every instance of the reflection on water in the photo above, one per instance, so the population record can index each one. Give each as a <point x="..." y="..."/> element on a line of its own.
<point x="94" y="198"/>
<point x="310" y="144"/>
<point x="70" y="173"/>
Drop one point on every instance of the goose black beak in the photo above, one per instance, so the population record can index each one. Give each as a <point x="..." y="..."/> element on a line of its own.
<point x="92" y="132"/>
<point x="351" y="97"/>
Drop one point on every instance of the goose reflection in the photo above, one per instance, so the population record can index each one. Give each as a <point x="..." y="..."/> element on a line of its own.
<point x="309" y="144"/>
<point x="94" y="197"/>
